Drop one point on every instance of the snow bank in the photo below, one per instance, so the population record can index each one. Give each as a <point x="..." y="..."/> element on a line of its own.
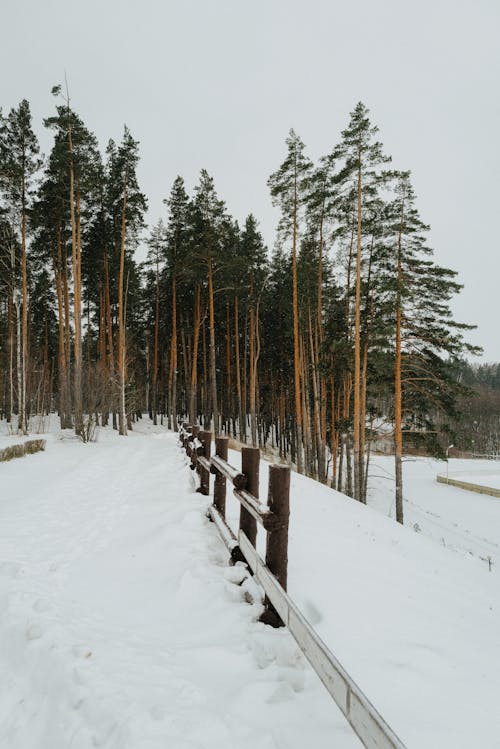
<point x="122" y="627"/>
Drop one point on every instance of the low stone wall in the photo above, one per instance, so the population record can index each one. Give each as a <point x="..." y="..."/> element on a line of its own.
<point x="477" y="488"/>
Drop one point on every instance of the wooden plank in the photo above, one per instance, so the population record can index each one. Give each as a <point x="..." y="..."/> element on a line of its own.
<point x="227" y="470"/>
<point x="203" y="462"/>
<point x="251" y="504"/>
<point x="477" y="488"/>
<point x="227" y="535"/>
<point x="366" y="722"/>
<point x="372" y="730"/>
<point x="264" y="576"/>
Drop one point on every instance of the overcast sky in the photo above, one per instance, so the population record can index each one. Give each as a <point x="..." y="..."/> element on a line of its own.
<point x="218" y="84"/>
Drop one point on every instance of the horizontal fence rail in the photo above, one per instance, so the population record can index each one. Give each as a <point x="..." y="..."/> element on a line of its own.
<point x="468" y="486"/>
<point x="271" y="574"/>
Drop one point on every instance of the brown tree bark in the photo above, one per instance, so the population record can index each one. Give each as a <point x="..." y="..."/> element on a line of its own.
<point x="173" y="392"/>
<point x="357" y="357"/>
<point x="194" y="358"/>
<point x="122" y="413"/>
<point x="213" y="370"/>
<point x="23" y="424"/>
<point x="398" y="428"/>
<point x="296" y="341"/>
<point x="238" y="369"/>
<point x="77" y="313"/>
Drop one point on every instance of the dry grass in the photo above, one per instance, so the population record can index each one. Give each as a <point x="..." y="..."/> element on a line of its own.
<point x="24" y="448"/>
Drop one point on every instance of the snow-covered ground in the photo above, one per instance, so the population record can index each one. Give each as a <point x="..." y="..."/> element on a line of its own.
<point x="122" y="627"/>
<point x="487" y="476"/>
<point x="456" y="518"/>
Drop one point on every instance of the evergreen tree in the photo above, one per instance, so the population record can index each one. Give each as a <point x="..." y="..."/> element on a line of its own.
<point x="75" y="148"/>
<point x="208" y="216"/>
<point x="287" y="186"/>
<point x="360" y="175"/>
<point x="424" y="330"/>
<point x="126" y="205"/>
<point x="19" y="163"/>
<point x="177" y="248"/>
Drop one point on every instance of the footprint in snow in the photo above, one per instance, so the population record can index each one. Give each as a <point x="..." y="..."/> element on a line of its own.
<point x="282" y="693"/>
<point x="41" y="605"/>
<point x="81" y="651"/>
<point x="34" y="631"/>
<point x="9" y="569"/>
<point x="158" y="712"/>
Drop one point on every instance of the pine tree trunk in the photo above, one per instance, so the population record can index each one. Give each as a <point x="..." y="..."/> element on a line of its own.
<point x="111" y="353"/>
<point x="357" y="357"/>
<point x="296" y="342"/>
<point x="229" y="387"/>
<point x="334" y="439"/>
<point x="320" y="446"/>
<point x="173" y="396"/>
<point x="62" y="366"/>
<point x="251" y="383"/>
<point x="213" y="371"/>
<point x="23" y="425"/>
<point x="321" y="386"/>
<point x="194" y="358"/>
<point x="348" y="455"/>
<point x="17" y="301"/>
<point x="362" y="423"/>
<point x="245" y="379"/>
<point x="11" y="359"/>
<point x="155" y="350"/>
<point x="341" y="462"/>
<point x="398" y="429"/>
<point x="238" y="369"/>
<point x="77" y="374"/>
<point x="122" y="413"/>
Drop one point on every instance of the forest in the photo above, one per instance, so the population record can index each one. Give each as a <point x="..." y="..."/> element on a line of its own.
<point x="341" y="334"/>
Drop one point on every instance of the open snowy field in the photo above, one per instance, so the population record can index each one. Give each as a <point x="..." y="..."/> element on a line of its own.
<point x="122" y="627"/>
<point x="486" y="476"/>
<point x="457" y="519"/>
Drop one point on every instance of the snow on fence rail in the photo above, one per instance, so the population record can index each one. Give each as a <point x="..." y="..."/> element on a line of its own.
<point x="477" y="488"/>
<point x="280" y="610"/>
<point x="20" y="450"/>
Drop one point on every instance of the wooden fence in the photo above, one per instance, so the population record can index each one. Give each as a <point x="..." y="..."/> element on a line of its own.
<point x="477" y="488"/>
<point x="271" y="574"/>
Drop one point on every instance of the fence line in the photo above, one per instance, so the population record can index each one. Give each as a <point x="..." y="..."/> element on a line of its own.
<point x="271" y="574"/>
<point x="477" y="488"/>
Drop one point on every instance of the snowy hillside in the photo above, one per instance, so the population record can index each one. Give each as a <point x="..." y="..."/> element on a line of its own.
<point x="122" y="627"/>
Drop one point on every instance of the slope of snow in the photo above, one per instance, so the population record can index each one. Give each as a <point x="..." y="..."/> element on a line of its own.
<point x="122" y="627"/>
<point x="414" y="621"/>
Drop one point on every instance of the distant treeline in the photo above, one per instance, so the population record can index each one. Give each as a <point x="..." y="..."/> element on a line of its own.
<point x="476" y="427"/>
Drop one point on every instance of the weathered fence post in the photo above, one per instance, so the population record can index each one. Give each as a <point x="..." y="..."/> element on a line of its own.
<point x="185" y="439"/>
<point x="206" y="441"/>
<point x="277" y="539"/>
<point x="221" y="449"/>
<point x="250" y="460"/>
<point x="195" y="429"/>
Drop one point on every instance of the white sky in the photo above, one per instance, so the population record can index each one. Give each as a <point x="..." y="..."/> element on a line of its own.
<point x="218" y="84"/>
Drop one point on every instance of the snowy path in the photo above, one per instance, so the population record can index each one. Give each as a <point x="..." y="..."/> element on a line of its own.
<point x="120" y="627"/>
